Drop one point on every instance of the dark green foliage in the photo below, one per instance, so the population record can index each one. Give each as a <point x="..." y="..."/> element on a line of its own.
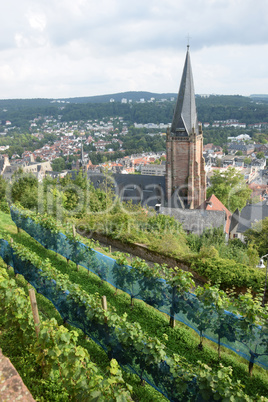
<point x="24" y="190"/>
<point x="215" y="237"/>
<point x="3" y="201"/>
<point x="58" y="165"/>
<point x="226" y="107"/>
<point x="3" y="186"/>
<point x="19" y="142"/>
<point x="260" y="155"/>
<point x="138" y="140"/>
<point x="259" y="236"/>
<point x="228" y="273"/>
<point x="4" y="207"/>
<point x="223" y="107"/>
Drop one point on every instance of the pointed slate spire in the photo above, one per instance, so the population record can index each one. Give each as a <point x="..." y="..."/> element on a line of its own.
<point x="185" y="116"/>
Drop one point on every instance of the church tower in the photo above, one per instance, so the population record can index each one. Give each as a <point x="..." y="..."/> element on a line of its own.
<point x="185" y="165"/>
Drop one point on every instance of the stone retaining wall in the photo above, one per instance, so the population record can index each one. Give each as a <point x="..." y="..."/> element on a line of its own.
<point x="12" y="387"/>
<point x="142" y="251"/>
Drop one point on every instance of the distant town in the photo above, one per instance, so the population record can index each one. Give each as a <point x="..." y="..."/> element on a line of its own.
<point x="76" y="140"/>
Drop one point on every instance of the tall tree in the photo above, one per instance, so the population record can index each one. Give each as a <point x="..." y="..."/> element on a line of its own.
<point x="58" y="164"/>
<point x="25" y="189"/>
<point x="230" y="188"/>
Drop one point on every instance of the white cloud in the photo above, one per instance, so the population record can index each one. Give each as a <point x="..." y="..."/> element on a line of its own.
<point x="85" y="47"/>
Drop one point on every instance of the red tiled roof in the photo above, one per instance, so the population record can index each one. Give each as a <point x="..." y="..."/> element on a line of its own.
<point x="214" y="204"/>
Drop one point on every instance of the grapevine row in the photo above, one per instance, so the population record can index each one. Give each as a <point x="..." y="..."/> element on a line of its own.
<point x="57" y="352"/>
<point x="207" y="313"/>
<point x="126" y="342"/>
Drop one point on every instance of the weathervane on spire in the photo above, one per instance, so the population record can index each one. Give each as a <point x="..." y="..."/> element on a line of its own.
<point x="188" y="41"/>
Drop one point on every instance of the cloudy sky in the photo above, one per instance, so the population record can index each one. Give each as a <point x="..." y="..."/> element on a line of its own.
<point x="68" y="48"/>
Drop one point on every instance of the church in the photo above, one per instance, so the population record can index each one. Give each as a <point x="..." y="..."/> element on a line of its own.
<point x="185" y="165"/>
<point x="182" y="192"/>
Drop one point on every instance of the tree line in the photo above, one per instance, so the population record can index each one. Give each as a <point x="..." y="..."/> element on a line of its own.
<point x="215" y="107"/>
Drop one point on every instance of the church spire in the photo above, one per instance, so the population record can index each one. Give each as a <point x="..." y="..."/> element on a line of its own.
<point x="185" y="116"/>
<point x="185" y="165"/>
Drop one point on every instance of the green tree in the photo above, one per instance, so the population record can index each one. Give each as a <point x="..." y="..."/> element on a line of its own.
<point x="58" y="165"/>
<point x="230" y="188"/>
<point x="24" y="190"/>
<point x="260" y="155"/>
<point x="258" y="235"/>
<point x="247" y="160"/>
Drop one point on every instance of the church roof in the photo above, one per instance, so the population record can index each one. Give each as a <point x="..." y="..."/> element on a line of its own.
<point x="250" y="214"/>
<point x="147" y="190"/>
<point x="185" y="115"/>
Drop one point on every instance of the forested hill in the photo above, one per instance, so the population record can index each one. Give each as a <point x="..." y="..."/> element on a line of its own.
<point x="160" y="110"/>
<point x="135" y="96"/>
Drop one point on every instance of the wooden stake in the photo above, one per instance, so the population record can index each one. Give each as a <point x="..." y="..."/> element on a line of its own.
<point x="250" y="368"/>
<point x="104" y="306"/>
<point x="172" y="322"/>
<point x="74" y="231"/>
<point x="35" y="311"/>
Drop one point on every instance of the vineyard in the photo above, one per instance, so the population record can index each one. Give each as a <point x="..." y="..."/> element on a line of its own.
<point x="135" y="334"/>
<point x="171" y="296"/>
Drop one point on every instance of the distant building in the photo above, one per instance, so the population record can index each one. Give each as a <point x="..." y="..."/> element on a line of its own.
<point x="261" y="148"/>
<point x="246" y="149"/>
<point x="259" y="191"/>
<point x="154" y="170"/>
<point x="241" y="137"/>
<point x="38" y="169"/>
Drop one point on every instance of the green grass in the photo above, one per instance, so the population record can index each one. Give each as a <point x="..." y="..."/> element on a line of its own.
<point x="6" y="224"/>
<point x="181" y="339"/>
